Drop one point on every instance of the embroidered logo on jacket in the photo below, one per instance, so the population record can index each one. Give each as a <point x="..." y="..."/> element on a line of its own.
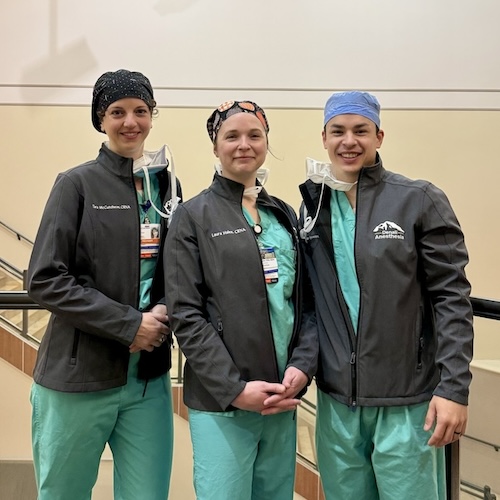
<point x="389" y="231"/>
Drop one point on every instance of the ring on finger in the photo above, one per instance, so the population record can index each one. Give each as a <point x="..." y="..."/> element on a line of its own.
<point x="162" y="338"/>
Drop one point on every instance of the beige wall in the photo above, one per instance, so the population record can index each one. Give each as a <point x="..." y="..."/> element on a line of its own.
<point x="457" y="150"/>
<point x="193" y="50"/>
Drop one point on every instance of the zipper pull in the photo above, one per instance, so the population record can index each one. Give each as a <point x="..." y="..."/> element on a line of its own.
<point x="352" y="361"/>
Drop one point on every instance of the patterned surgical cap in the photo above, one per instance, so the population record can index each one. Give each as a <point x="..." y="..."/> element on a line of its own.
<point x="115" y="85"/>
<point x="230" y="108"/>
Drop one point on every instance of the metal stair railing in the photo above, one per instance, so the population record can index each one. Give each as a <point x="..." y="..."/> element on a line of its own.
<point x="17" y="234"/>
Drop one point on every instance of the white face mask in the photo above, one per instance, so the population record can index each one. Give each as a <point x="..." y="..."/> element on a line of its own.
<point x="321" y="173"/>
<point x="152" y="161"/>
<point x="262" y="175"/>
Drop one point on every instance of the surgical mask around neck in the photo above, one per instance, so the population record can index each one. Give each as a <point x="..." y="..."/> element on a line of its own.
<point x="151" y="162"/>
<point x="253" y="192"/>
<point x="321" y="173"/>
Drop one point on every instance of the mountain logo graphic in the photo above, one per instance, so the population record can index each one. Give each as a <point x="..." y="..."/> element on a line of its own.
<point x="389" y="230"/>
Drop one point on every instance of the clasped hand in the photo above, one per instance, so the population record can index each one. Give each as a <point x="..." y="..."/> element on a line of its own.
<point x="152" y="331"/>
<point x="269" y="398"/>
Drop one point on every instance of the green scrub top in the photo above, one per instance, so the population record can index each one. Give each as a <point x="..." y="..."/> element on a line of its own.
<point x="279" y="294"/>
<point x="343" y="229"/>
<point x="148" y="265"/>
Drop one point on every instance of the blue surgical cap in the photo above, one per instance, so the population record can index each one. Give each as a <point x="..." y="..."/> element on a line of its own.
<point x="353" y="102"/>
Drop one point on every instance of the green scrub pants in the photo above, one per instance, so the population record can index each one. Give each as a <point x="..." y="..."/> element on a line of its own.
<point x="243" y="455"/>
<point x="70" y="431"/>
<point x="377" y="453"/>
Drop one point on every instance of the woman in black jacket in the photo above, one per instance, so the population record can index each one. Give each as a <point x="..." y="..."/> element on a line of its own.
<point x="235" y="295"/>
<point x="101" y="374"/>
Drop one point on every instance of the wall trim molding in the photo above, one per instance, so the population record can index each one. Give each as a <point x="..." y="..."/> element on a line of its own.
<point x="269" y="98"/>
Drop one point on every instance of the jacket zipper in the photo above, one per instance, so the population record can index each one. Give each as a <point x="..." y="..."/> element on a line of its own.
<point x="352" y="400"/>
<point x="354" y="379"/>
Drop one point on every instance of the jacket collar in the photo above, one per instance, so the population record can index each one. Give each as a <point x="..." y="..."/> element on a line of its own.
<point x="372" y="174"/>
<point x="232" y="190"/>
<point x="122" y="167"/>
<point x="116" y="164"/>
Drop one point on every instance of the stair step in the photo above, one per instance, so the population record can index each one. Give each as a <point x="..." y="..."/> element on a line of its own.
<point x="10" y="286"/>
<point x="38" y="333"/>
<point x="305" y="442"/>
<point x="38" y="327"/>
<point x="10" y="313"/>
<point x="9" y="282"/>
<point x="37" y="315"/>
<point x="14" y="316"/>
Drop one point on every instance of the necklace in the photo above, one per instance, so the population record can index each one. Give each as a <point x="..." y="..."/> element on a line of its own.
<point x="256" y="226"/>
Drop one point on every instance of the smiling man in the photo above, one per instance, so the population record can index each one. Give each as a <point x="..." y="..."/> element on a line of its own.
<point x="386" y="257"/>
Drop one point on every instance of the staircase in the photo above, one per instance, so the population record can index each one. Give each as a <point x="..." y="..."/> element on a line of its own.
<point x="36" y="319"/>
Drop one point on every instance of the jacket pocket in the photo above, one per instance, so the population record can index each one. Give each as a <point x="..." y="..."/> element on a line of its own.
<point x="420" y="350"/>
<point x="420" y="340"/>
<point x="74" y="349"/>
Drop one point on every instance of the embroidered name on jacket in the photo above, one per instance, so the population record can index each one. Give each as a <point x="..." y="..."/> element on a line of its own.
<point x="226" y="232"/>
<point x="111" y="207"/>
<point x="389" y="231"/>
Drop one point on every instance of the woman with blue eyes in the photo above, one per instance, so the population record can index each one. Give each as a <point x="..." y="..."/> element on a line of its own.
<point x="102" y="371"/>
<point x="237" y="305"/>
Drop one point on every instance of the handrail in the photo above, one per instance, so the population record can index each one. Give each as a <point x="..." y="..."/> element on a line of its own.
<point x="486" y="308"/>
<point x="11" y="269"/>
<point x="17" y="299"/>
<point x="308" y="406"/>
<point x="18" y="235"/>
<point x="496" y="447"/>
<point x="485" y="492"/>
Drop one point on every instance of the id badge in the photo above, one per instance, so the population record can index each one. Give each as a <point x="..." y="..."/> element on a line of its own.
<point x="269" y="264"/>
<point x="150" y="240"/>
